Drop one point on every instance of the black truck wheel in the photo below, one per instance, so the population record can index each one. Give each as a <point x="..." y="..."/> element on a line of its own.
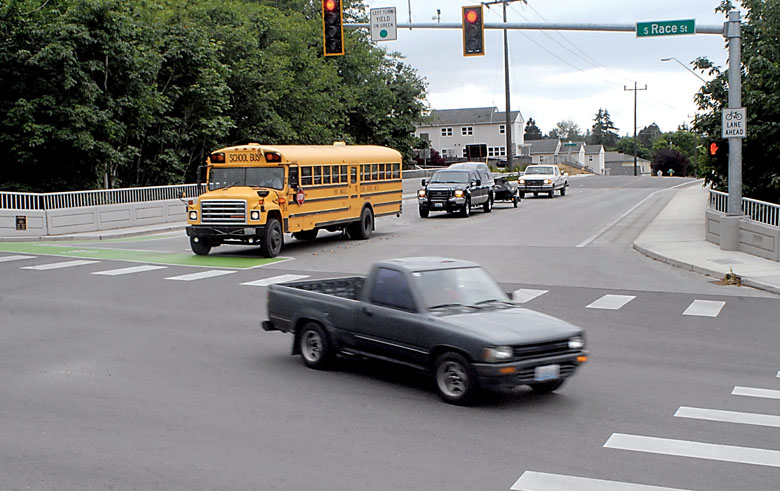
<point x="424" y="212"/>
<point x="273" y="239"/>
<point x="200" y="246"/>
<point x="487" y="206"/>
<point x="466" y="210"/>
<point x="314" y="346"/>
<point x="456" y="381"/>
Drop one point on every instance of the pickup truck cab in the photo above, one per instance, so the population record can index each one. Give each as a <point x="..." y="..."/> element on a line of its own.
<point x="546" y="178"/>
<point x="446" y="317"/>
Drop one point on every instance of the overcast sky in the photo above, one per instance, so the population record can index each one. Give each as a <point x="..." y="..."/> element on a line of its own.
<point x="564" y="75"/>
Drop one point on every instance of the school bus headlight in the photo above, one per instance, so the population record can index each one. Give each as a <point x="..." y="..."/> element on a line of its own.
<point x="254" y="215"/>
<point x="193" y="215"/>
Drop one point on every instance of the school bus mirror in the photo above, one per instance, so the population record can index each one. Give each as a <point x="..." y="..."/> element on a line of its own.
<point x="201" y="174"/>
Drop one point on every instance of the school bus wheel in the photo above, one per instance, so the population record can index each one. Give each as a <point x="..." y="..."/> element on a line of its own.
<point x="200" y="246"/>
<point x="273" y="239"/>
<point x="362" y="229"/>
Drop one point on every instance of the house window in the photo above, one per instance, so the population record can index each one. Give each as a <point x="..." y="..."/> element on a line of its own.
<point x="501" y="129"/>
<point x="496" y="151"/>
<point x="446" y="132"/>
<point x="590" y="158"/>
<point x="467" y="130"/>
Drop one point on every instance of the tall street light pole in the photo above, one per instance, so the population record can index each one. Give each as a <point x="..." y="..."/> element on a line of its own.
<point x="684" y="66"/>
<point x="635" y="90"/>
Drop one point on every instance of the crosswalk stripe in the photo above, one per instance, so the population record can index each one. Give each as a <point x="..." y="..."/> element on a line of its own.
<point x="728" y="416"/>
<point x="541" y="481"/>
<point x="64" y="264"/>
<point x="696" y="450"/>
<point x="130" y="270"/>
<point x="276" y="279"/>
<point x="523" y="295"/>
<point x="199" y="276"/>
<point x="611" y="302"/>
<point x="704" y="308"/>
<point x="15" y="258"/>
<point x="753" y="392"/>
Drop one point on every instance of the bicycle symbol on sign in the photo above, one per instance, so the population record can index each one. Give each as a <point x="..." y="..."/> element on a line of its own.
<point x="736" y="116"/>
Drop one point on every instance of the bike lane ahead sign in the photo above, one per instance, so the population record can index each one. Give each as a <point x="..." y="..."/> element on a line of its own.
<point x="734" y="122"/>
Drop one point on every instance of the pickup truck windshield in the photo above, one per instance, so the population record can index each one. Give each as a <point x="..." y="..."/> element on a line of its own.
<point x="459" y="286"/>
<point x="538" y="170"/>
<point x="450" y="176"/>
<point x="264" y="177"/>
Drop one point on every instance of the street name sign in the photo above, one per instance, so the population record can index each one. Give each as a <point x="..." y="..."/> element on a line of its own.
<point x="734" y="122"/>
<point x="383" y="24"/>
<point x="665" y="28"/>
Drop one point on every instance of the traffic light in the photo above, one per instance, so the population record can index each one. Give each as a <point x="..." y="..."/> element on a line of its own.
<point x="473" y="31"/>
<point x="332" y="28"/>
<point x="714" y="149"/>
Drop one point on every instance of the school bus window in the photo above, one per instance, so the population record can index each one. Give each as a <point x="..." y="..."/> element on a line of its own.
<point x="306" y="176"/>
<point x="353" y="174"/>
<point x="326" y="174"/>
<point x="343" y="174"/>
<point x="374" y="172"/>
<point x="396" y="171"/>
<point x="317" y="175"/>
<point x="364" y="173"/>
<point x="334" y="174"/>
<point x="385" y="171"/>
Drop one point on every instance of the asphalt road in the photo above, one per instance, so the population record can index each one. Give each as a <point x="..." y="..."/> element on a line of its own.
<point x="116" y="378"/>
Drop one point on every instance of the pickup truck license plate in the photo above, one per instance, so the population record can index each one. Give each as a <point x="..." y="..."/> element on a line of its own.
<point x="546" y="372"/>
<point x="438" y="205"/>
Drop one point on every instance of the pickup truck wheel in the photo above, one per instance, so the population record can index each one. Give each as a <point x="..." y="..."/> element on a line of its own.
<point x="487" y="207"/>
<point x="271" y="243"/>
<point x="362" y="229"/>
<point x="456" y="381"/>
<point x="424" y="212"/>
<point x="547" y="387"/>
<point x="563" y="190"/>
<point x="201" y="246"/>
<point x="314" y="346"/>
<point x="466" y="210"/>
<point x="551" y="194"/>
<point x="515" y="199"/>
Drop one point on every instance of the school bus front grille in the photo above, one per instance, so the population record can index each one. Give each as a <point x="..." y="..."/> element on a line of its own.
<point x="223" y="211"/>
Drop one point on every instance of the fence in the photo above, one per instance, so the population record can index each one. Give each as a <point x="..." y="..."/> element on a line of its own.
<point x="80" y="199"/>
<point x="758" y="211"/>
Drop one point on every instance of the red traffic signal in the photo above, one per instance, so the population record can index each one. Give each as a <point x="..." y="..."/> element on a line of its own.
<point x="473" y="31"/>
<point x="713" y="149"/>
<point x="332" y="28"/>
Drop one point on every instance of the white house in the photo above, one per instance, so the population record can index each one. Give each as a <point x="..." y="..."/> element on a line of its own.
<point x="450" y="130"/>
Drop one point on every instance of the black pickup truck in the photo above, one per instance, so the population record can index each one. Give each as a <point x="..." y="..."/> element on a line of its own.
<point x="447" y="317"/>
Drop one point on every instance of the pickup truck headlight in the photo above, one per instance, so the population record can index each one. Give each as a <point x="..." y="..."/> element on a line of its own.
<point x="421" y="193"/>
<point x="458" y="193"/>
<point x="497" y="354"/>
<point x="193" y="215"/>
<point x="577" y="342"/>
<point x="548" y="181"/>
<point x="521" y="181"/>
<point x="254" y="215"/>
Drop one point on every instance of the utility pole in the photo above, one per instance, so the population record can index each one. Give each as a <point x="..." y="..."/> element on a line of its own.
<point x="635" y="90"/>
<point x="508" y="122"/>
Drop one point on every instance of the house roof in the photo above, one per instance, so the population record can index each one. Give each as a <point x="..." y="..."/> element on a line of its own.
<point x="543" y="146"/>
<point x="470" y="116"/>
<point x="594" y="148"/>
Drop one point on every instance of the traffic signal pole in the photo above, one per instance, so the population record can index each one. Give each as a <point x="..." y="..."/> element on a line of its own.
<point x="729" y="225"/>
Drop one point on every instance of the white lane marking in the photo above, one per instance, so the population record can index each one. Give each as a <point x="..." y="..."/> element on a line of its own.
<point x="704" y="308"/>
<point x="541" y="481"/>
<point x="696" y="450"/>
<point x="523" y="295"/>
<point x="276" y="279"/>
<point x="130" y="270"/>
<point x="728" y="416"/>
<point x="15" y="258"/>
<point x="199" y="276"/>
<point x="753" y="392"/>
<point x="611" y="302"/>
<point x="614" y="222"/>
<point x="64" y="264"/>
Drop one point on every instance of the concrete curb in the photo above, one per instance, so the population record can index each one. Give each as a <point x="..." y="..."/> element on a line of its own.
<point x="103" y="235"/>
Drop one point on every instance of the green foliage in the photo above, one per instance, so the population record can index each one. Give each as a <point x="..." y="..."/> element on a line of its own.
<point x="141" y="91"/>
<point x="604" y="131"/>
<point x="626" y="146"/>
<point x="532" y="132"/>
<point x="761" y="98"/>
<point x="567" y="130"/>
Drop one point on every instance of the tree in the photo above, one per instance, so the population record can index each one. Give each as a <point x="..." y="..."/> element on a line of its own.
<point x="760" y="73"/>
<point x="670" y="162"/>
<point x="567" y="130"/>
<point x="604" y="131"/>
<point x="648" y="134"/>
<point x="626" y="146"/>
<point x="532" y="132"/>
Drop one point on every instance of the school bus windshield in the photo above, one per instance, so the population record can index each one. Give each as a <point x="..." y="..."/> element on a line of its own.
<point x="266" y="177"/>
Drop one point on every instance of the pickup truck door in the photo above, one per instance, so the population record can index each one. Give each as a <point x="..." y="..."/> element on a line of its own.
<point x="388" y="324"/>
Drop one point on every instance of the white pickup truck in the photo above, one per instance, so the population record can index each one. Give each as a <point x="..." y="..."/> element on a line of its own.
<point x="542" y="178"/>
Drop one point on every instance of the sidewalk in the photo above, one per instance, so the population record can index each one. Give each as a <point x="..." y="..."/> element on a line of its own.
<point x="676" y="237"/>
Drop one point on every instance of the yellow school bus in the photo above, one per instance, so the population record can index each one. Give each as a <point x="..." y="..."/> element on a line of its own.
<point x="258" y="193"/>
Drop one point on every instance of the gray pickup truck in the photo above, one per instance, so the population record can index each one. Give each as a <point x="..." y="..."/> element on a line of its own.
<point x="447" y="317"/>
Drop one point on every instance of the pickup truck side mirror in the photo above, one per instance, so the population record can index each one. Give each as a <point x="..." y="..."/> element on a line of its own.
<point x="511" y="295"/>
<point x="423" y="182"/>
<point x="478" y="182"/>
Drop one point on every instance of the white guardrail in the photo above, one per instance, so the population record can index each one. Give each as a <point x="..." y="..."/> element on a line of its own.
<point x="80" y="199"/>
<point x="758" y="211"/>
